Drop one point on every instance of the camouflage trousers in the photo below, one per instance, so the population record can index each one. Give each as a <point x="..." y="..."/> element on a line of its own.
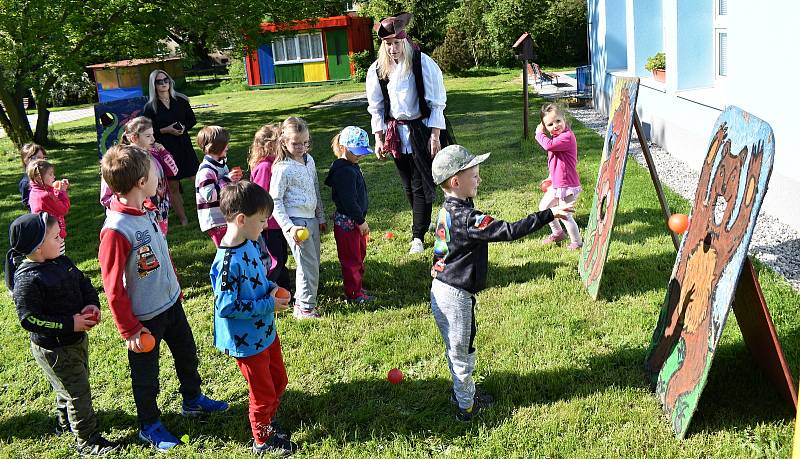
<point x="67" y="370"/>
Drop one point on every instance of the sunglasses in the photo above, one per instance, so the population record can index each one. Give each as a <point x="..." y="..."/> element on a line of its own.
<point x="162" y="80"/>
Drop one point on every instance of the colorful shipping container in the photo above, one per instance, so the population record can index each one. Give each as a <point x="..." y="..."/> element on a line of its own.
<point x="307" y="51"/>
<point x="129" y="78"/>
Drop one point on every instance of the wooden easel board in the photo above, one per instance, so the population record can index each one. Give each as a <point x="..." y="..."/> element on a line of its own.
<point x="597" y="235"/>
<point x="710" y="261"/>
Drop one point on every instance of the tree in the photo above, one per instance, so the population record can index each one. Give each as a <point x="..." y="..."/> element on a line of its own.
<point x="41" y="40"/>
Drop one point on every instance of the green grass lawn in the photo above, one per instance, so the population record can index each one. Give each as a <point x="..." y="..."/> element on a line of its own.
<point x="566" y="370"/>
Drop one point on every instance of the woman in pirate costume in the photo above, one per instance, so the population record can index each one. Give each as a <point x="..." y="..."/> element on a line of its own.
<point x="407" y="98"/>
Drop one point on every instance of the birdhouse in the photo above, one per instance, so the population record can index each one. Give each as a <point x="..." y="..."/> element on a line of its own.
<point x="524" y="47"/>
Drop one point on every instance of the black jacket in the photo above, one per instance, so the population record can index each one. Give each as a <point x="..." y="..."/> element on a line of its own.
<point x="349" y="190"/>
<point x="47" y="295"/>
<point x="463" y="234"/>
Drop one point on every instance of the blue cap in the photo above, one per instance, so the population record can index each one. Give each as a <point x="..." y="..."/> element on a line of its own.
<point x="356" y="140"/>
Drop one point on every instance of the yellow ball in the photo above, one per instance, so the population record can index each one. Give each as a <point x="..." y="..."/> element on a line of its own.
<point x="302" y="234"/>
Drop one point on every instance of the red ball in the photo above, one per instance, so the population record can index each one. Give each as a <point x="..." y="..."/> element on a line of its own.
<point x="678" y="223"/>
<point x="395" y="376"/>
<point x="389" y="235"/>
<point x="546" y="184"/>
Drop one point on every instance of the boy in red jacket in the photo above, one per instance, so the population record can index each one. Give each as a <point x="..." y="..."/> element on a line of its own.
<point x="143" y="292"/>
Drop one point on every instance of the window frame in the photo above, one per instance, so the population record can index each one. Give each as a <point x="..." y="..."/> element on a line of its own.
<point x="297" y="58"/>
<point x="720" y="26"/>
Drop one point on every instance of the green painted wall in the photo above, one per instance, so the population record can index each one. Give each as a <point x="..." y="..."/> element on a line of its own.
<point x="338" y="60"/>
<point x="289" y="73"/>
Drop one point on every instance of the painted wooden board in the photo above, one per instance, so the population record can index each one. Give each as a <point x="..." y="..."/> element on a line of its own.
<point x="729" y="194"/>
<point x="597" y="235"/>
<point x="110" y="118"/>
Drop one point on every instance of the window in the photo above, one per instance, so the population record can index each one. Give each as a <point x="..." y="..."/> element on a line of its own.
<point x="720" y="39"/>
<point x="298" y="48"/>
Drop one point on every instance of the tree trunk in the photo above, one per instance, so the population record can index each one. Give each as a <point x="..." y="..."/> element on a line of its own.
<point x="201" y="53"/>
<point x="43" y="120"/>
<point x="13" y="119"/>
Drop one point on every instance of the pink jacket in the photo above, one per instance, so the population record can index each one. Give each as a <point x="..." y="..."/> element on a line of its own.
<point x="261" y="176"/>
<point x="562" y="158"/>
<point x="56" y="203"/>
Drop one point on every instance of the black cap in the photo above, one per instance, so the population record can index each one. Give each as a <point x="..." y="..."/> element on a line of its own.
<point x="27" y="233"/>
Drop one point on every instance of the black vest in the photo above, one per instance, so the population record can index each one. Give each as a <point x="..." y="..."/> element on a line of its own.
<point x="416" y="70"/>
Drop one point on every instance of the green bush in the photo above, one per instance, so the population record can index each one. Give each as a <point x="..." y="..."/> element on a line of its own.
<point x="72" y="90"/>
<point x="453" y="56"/>
<point x="361" y="61"/>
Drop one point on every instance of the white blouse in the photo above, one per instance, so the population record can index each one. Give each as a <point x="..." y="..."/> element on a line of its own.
<point x="403" y="98"/>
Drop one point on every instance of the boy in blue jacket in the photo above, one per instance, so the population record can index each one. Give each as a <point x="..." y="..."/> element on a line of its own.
<point x="244" y="311"/>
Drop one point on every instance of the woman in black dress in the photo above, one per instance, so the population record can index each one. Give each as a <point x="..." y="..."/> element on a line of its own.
<point x="172" y="119"/>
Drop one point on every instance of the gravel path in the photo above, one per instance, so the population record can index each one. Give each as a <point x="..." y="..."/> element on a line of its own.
<point x="773" y="242"/>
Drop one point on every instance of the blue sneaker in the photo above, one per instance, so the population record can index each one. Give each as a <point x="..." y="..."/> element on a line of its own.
<point x="203" y="405"/>
<point x="158" y="436"/>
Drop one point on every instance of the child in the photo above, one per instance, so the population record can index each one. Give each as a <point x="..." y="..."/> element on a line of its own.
<point x="139" y="132"/>
<point x="143" y="292"/>
<point x="57" y="304"/>
<point x="556" y="137"/>
<point x="244" y="311"/>
<point x="49" y="195"/>
<point x="262" y="155"/>
<point x="298" y="211"/>
<point x="461" y="253"/>
<point x="349" y="192"/>
<point x="29" y="152"/>
<point x="211" y="177"/>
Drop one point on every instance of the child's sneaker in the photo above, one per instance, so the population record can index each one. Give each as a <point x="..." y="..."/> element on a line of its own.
<point x="203" y="405"/>
<point x="416" y="246"/>
<point x="553" y="238"/>
<point x="575" y="245"/>
<point x="158" y="436"/>
<point x="479" y="403"/>
<point x="302" y="313"/>
<point x="97" y="446"/>
<point x="363" y="298"/>
<point x="275" y="445"/>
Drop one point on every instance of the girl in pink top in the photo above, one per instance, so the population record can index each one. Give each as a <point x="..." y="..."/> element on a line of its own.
<point x="563" y="185"/>
<point x="139" y="132"/>
<point x="263" y="153"/>
<point x="48" y="194"/>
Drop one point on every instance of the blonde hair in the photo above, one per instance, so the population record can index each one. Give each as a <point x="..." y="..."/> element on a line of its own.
<point x="338" y="149"/>
<point x="559" y="111"/>
<point x="153" y="95"/>
<point x="123" y="166"/>
<point x="292" y="125"/>
<point x="29" y="150"/>
<point x="213" y="139"/>
<point x="265" y="144"/>
<point x="135" y="127"/>
<point x="36" y="170"/>
<point x="386" y="63"/>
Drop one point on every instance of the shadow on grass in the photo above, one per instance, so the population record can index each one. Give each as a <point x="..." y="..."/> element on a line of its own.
<point x="34" y="424"/>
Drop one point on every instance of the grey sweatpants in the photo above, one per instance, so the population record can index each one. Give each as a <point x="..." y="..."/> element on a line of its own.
<point x="67" y="370"/>
<point x="306" y="255"/>
<point x="454" y="311"/>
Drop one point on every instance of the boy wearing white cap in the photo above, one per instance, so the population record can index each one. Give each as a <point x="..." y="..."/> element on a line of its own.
<point x="460" y="264"/>
<point x="349" y="192"/>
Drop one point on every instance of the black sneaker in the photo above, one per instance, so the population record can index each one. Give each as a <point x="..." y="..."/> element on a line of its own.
<point x="278" y="430"/>
<point x="480" y="402"/>
<point x="480" y="393"/>
<point x="97" y="446"/>
<point x="275" y="445"/>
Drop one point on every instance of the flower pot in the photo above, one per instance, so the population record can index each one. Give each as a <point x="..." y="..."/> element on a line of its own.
<point x="660" y="75"/>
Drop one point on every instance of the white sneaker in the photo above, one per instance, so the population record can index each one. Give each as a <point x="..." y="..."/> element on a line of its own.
<point x="416" y="246"/>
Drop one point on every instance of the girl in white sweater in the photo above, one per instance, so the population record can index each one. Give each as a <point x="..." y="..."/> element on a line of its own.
<point x="298" y="211"/>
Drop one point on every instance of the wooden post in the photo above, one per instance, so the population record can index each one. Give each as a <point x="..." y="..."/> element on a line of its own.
<point x="651" y="166"/>
<point x="525" y="98"/>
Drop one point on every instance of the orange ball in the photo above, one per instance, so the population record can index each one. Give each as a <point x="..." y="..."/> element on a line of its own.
<point x="281" y="292"/>
<point x="546" y="184"/>
<point x="389" y="235"/>
<point x="147" y="342"/>
<point x="678" y="223"/>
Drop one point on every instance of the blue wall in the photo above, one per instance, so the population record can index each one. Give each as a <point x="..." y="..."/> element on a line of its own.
<point x="648" y="33"/>
<point x="266" y="64"/>
<point x="695" y="44"/>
